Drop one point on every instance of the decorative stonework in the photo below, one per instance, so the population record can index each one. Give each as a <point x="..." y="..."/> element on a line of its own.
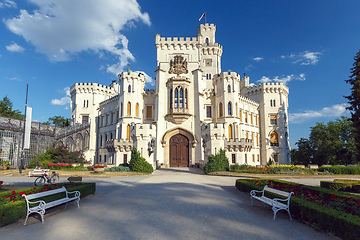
<point x="178" y="65"/>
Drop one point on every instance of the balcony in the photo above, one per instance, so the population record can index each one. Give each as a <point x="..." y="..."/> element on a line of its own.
<point x="123" y="145"/>
<point x="178" y="115"/>
<point x="242" y="145"/>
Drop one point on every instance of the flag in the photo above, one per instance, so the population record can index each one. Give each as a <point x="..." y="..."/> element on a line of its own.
<point x="203" y="15"/>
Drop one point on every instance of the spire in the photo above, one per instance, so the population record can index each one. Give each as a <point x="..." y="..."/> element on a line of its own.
<point x="128" y="69"/>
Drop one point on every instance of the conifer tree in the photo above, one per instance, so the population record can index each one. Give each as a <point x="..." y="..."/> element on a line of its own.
<point x="354" y="101"/>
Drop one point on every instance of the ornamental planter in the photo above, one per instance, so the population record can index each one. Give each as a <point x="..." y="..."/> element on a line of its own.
<point x="99" y="170"/>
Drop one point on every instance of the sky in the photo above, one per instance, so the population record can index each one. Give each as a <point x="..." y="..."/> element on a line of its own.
<point x="309" y="45"/>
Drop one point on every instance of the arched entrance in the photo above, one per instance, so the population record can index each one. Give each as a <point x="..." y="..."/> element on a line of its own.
<point x="179" y="151"/>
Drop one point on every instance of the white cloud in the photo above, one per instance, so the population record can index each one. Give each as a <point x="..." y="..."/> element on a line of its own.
<point x="61" y="29"/>
<point x="248" y="67"/>
<point x="7" y="3"/>
<point x="64" y="100"/>
<point x="258" y="59"/>
<point x="148" y="79"/>
<point x="333" y="111"/>
<point x="282" y="79"/>
<point x="304" y="58"/>
<point x="14" y="48"/>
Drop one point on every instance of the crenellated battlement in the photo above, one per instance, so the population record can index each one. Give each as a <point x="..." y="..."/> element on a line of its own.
<point x="90" y="88"/>
<point x="227" y="75"/>
<point x="175" y="42"/>
<point x="149" y="92"/>
<point x="131" y="75"/>
<point x="248" y="101"/>
<point x="273" y="87"/>
<point x="110" y="100"/>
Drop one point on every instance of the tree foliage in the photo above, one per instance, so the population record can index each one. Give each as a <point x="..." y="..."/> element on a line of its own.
<point x="58" y="155"/>
<point x="6" y="109"/>
<point x="138" y="163"/>
<point x="332" y="143"/>
<point x="58" y="121"/>
<point x="354" y="101"/>
<point x="217" y="162"/>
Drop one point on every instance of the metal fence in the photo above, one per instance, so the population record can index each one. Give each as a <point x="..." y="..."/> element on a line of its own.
<point x="11" y="137"/>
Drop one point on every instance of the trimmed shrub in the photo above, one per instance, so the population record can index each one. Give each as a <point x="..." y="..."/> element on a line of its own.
<point x="138" y="163"/>
<point x="120" y="168"/>
<point x="354" y="170"/>
<point x="345" y="185"/>
<point x="217" y="162"/>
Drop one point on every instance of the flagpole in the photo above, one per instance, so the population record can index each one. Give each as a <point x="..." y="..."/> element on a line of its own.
<point x="205" y="17"/>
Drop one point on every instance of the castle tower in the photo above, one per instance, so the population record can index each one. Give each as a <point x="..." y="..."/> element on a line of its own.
<point x="274" y="127"/>
<point x="210" y="52"/>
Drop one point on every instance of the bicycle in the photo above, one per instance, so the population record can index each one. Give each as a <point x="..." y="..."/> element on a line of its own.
<point x="52" y="179"/>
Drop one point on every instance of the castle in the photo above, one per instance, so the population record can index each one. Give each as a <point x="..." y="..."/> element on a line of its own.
<point x="194" y="111"/>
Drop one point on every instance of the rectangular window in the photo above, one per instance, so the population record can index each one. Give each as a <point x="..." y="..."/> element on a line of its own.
<point x="246" y="117"/>
<point x="251" y="119"/>
<point x="125" y="158"/>
<point x="149" y="112"/>
<point x="253" y="158"/>
<point x="233" y="157"/>
<point x="99" y="158"/>
<point x="245" y="158"/>
<point x="240" y="115"/>
<point x="258" y="158"/>
<point x="85" y="119"/>
<point x="276" y="158"/>
<point x="104" y="158"/>
<point x="273" y="120"/>
<point x="256" y="121"/>
<point x="112" y="117"/>
<point x="107" y="116"/>
<point x="208" y="111"/>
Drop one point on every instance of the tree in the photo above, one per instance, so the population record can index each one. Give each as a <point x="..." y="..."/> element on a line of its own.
<point x="332" y="143"/>
<point x="217" y="162"/>
<point x="6" y="109"/>
<point x="138" y="163"/>
<point x="354" y="101"/>
<point x="58" y="121"/>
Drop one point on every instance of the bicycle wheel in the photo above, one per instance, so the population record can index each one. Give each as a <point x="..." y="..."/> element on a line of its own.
<point x="54" y="178"/>
<point x="39" y="181"/>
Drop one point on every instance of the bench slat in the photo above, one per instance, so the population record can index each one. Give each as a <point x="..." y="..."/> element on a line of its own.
<point x="276" y="191"/>
<point x="45" y="193"/>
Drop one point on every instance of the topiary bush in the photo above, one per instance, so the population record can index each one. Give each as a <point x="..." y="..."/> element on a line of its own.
<point x="138" y="163"/>
<point x="217" y="162"/>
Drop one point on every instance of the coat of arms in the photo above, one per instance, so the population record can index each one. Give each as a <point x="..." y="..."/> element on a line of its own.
<point x="178" y="65"/>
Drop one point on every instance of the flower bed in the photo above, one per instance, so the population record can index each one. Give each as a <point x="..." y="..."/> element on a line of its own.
<point x="274" y="169"/>
<point x="342" y="185"/>
<point x="13" y="205"/>
<point x="329" y="210"/>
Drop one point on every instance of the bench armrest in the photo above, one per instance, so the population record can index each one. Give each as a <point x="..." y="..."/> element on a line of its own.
<point x="253" y="192"/>
<point x="77" y="193"/>
<point x="42" y="203"/>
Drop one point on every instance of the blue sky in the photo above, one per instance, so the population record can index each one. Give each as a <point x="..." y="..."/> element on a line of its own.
<point x="50" y="45"/>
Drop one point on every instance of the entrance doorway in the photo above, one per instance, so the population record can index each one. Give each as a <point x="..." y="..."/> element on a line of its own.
<point x="179" y="151"/>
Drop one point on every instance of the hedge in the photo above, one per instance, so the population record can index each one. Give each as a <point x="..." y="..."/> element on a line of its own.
<point x="341" y="224"/>
<point x="13" y="211"/>
<point x="342" y="185"/>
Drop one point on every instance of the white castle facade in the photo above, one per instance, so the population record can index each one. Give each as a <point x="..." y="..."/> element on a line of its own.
<point x="194" y="111"/>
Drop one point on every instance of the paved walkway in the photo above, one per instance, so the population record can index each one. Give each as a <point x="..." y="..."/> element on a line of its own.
<point x="169" y="204"/>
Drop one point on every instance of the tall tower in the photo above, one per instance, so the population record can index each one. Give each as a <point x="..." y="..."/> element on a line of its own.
<point x="210" y="52"/>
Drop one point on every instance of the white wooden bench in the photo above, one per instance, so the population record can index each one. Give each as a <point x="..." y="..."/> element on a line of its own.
<point x="276" y="203"/>
<point x="39" y="206"/>
<point x="38" y="172"/>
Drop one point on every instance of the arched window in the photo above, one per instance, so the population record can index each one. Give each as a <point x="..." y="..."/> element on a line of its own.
<point x="230" y="131"/>
<point x="274" y="139"/>
<point x="236" y="111"/>
<point x="87" y="103"/>
<point x="137" y="109"/>
<point x="128" y="112"/>
<point x="176" y="102"/>
<point x="171" y="98"/>
<point x="84" y="103"/>
<point x="128" y="132"/>
<point x="229" y="109"/>
<point x="129" y="89"/>
<point x="181" y="98"/>
<point x="206" y="41"/>
<point x="229" y="89"/>
<point x="186" y="101"/>
<point x="221" y="111"/>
